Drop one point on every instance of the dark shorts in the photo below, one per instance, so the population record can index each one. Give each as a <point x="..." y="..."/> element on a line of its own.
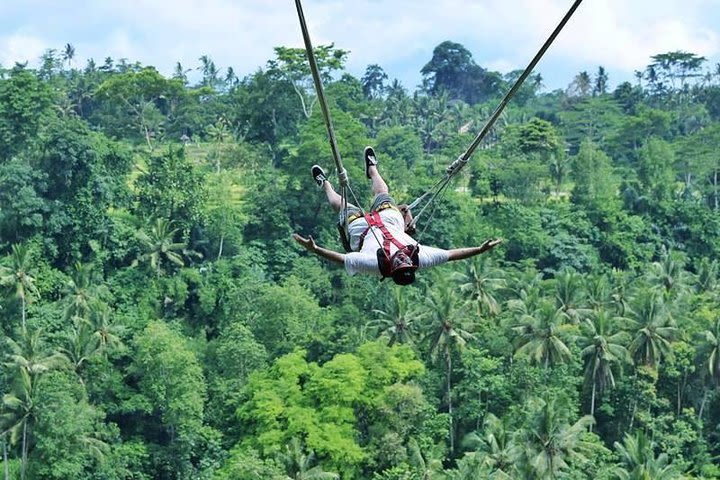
<point x="380" y="202"/>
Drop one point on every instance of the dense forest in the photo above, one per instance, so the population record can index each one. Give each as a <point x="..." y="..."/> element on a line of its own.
<point x="158" y="321"/>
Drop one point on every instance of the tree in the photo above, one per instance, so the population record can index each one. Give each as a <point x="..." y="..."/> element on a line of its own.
<point x="638" y="461"/>
<point x="449" y="334"/>
<point x="595" y="182"/>
<point x="653" y="329"/>
<point x="570" y="295"/>
<point x="673" y="67"/>
<point x="22" y="205"/>
<point x="581" y="85"/>
<point x="299" y="465"/>
<point x="170" y="377"/>
<point x="655" y="172"/>
<point x="24" y="104"/>
<point x="540" y="336"/>
<point x="141" y="94"/>
<point x="68" y="54"/>
<point x="396" y="320"/>
<point x="481" y="282"/>
<point x="172" y="188"/>
<point x="550" y="441"/>
<point x="496" y="447"/>
<point x="26" y="360"/>
<point x="669" y="275"/>
<point x="603" y="349"/>
<point x="373" y="81"/>
<point x="160" y="247"/>
<point x="292" y="65"/>
<point x="82" y="292"/>
<point x="710" y="351"/>
<point x="209" y="72"/>
<point x="16" y="275"/>
<point x="601" y="80"/>
<point x="453" y="70"/>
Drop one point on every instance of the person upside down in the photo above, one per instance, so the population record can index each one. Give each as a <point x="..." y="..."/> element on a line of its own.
<point x="378" y="242"/>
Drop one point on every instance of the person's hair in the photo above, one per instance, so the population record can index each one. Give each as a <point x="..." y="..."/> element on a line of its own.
<point x="404" y="276"/>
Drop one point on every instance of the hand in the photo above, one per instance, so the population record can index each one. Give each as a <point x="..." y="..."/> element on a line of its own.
<point x="308" y="243"/>
<point x="490" y="244"/>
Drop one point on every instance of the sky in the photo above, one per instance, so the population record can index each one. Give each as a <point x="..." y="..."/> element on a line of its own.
<point x="398" y="35"/>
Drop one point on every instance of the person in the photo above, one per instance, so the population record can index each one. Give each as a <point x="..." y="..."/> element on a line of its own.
<point x="378" y="242"/>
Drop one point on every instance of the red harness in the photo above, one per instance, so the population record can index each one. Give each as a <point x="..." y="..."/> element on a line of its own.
<point x="374" y="220"/>
<point x="384" y="257"/>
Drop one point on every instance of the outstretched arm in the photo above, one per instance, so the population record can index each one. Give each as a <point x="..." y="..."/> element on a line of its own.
<point x="311" y="246"/>
<point x="462" y="253"/>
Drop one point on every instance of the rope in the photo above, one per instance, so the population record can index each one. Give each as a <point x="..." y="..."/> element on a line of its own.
<point x="342" y="173"/>
<point x="460" y="162"/>
<point x="345" y="189"/>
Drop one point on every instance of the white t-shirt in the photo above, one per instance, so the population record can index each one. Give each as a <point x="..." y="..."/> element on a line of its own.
<point x="366" y="261"/>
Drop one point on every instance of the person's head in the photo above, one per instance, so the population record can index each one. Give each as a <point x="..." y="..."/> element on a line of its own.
<point x="402" y="268"/>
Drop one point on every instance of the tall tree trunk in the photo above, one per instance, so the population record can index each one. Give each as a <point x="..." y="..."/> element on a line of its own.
<point x="22" y="299"/>
<point x="23" y="464"/>
<point x="220" y="249"/>
<point x="592" y="404"/>
<point x="450" y="409"/>
<point x="702" y="405"/>
<point x="5" y="458"/>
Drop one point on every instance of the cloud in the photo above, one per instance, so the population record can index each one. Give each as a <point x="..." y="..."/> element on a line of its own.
<point x="20" y="48"/>
<point x="399" y="35"/>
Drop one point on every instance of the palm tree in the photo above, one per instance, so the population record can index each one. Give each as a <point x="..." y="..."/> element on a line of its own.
<point x="619" y="286"/>
<point x="17" y="276"/>
<point x="669" y="274"/>
<point x="653" y="329"/>
<point x="428" y="466"/>
<point x="540" y="336"/>
<point x="396" y="320"/>
<point x="570" y="296"/>
<point x="448" y="335"/>
<point x="18" y="413"/>
<point x="603" y="348"/>
<point x="480" y="282"/>
<point x="103" y="331"/>
<point x="298" y="465"/>
<point x="28" y="360"/>
<point x="68" y="54"/>
<point x="707" y="277"/>
<point x="560" y="166"/>
<point x="81" y="292"/>
<point x="638" y="460"/>
<point x="160" y="246"/>
<point x="710" y="347"/>
<point x="495" y="446"/>
<point x="549" y="440"/>
<point x="598" y="292"/>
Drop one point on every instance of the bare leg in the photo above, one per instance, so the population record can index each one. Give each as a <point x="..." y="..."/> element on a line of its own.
<point x="334" y="198"/>
<point x="378" y="184"/>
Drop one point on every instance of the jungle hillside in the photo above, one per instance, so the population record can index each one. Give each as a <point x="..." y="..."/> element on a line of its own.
<point x="159" y="322"/>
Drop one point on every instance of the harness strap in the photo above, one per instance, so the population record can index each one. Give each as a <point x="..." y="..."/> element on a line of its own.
<point x="360" y="214"/>
<point x="374" y="220"/>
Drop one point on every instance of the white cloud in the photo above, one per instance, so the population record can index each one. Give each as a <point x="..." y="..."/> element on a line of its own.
<point x="20" y="48"/>
<point x="399" y="35"/>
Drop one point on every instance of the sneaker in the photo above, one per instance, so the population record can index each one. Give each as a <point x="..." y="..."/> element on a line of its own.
<point x="318" y="175"/>
<point x="370" y="159"/>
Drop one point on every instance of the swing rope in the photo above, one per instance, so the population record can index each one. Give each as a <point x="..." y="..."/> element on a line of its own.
<point x="462" y="160"/>
<point x="344" y="182"/>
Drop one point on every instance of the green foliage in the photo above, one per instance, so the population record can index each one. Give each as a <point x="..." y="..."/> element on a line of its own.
<point x="24" y="105"/>
<point x="173" y="189"/>
<point x="158" y="321"/>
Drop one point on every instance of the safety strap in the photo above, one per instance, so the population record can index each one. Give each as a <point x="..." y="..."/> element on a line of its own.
<point x="374" y="220"/>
